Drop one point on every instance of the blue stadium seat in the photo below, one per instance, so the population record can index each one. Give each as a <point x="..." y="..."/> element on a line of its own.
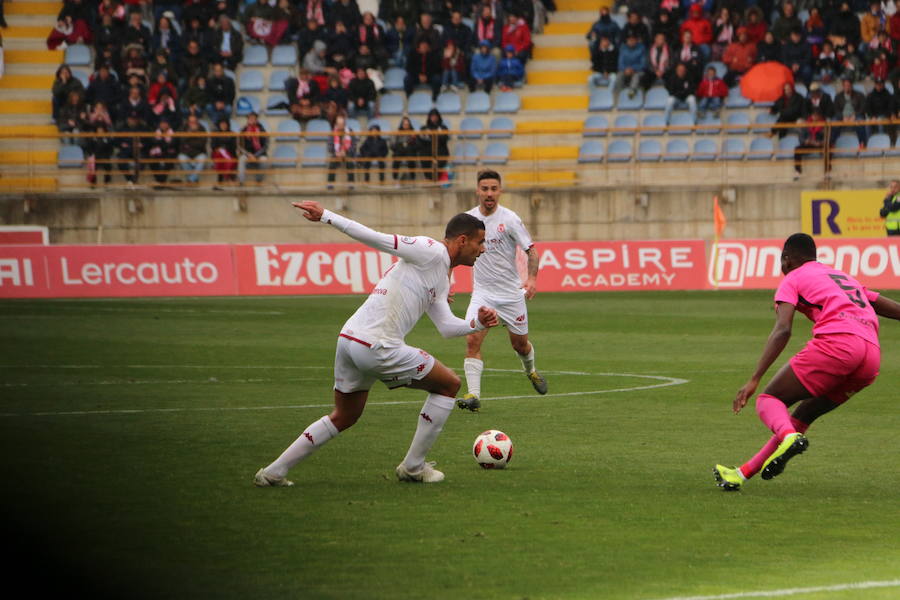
<point x="284" y="55"/>
<point x="878" y="144"/>
<point x="705" y="149"/>
<point x="81" y="76"/>
<point x="786" y="146"/>
<point x="801" y="89"/>
<point x="633" y="103"/>
<point x="861" y="88"/>
<point x="733" y="149"/>
<point x="383" y="124"/>
<point x="591" y="151"/>
<point x="653" y="124"/>
<point x="470" y="127"/>
<point x="738" y="123"/>
<point x="234" y="125"/>
<point x="391" y="104"/>
<point x="677" y="150"/>
<point x="420" y="103"/>
<point x="846" y="146"/>
<point x="721" y="69"/>
<point x="77" y="55"/>
<point x="827" y="88"/>
<point x="277" y="79"/>
<point x="70" y="156"/>
<point x="735" y="99"/>
<point x="681" y="119"/>
<point x="760" y="149"/>
<point x="763" y="122"/>
<point x="315" y="155"/>
<point x="354" y="125"/>
<point x="251" y="80"/>
<point x="246" y="105"/>
<point x="478" y="103"/>
<point x="290" y="129"/>
<point x="501" y="127"/>
<point x="597" y="80"/>
<point x="496" y="153"/>
<point x="625" y="122"/>
<point x="394" y="78"/>
<point x="656" y="99"/>
<point x="317" y="130"/>
<point x="255" y="56"/>
<point x="620" y="19"/>
<point x="711" y="125"/>
<point x="465" y="153"/>
<point x="649" y="150"/>
<point x="285" y="155"/>
<point x="619" y="151"/>
<point x="597" y="122"/>
<point x="449" y="103"/>
<point x="601" y="99"/>
<point x="507" y="102"/>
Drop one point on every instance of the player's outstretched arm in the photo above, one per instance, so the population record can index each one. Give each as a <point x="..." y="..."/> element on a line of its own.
<point x="449" y="325"/>
<point x="885" y="307"/>
<point x="386" y="242"/>
<point x="778" y="339"/>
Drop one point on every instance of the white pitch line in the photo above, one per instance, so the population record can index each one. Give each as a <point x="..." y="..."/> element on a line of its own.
<point x="843" y="587"/>
<point x="665" y="382"/>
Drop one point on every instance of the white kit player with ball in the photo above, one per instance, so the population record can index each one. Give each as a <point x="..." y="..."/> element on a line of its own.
<point x="371" y="344"/>
<point x="497" y="284"/>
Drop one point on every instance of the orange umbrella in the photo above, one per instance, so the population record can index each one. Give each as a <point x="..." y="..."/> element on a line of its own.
<point x="765" y="82"/>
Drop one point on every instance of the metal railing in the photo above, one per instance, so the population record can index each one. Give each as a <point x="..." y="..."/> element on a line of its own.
<point x="540" y="157"/>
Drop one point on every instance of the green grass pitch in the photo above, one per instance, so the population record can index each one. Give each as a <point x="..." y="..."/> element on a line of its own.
<point x="131" y="430"/>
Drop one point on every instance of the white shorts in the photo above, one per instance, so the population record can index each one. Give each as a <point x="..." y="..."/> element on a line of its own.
<point x="357" y="365"/>
<point x="512" y="313"/>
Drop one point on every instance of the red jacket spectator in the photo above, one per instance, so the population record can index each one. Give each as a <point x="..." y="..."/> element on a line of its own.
<point x="712" y="88"/>
<point x="517" y="34"/>
<point x="740" y="55"/>
<point x="894" y="26"/>
<point x="700" y="28"/>
<point x="157" y="88"/>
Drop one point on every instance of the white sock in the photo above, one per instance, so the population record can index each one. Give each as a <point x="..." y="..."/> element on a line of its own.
<point x="473" y="368"/>
<point x="315" y="436"/>
<point x="528" y="360"/>
<point x="431" y="421"/>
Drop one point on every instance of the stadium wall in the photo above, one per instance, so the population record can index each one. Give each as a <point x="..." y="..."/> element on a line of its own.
<point x="763" y="211"/>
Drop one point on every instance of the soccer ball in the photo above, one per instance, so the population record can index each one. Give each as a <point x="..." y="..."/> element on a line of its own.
<point x="492" y="449"/>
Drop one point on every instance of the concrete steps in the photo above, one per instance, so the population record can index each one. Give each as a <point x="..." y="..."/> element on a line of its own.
<point x="30" y="7"/>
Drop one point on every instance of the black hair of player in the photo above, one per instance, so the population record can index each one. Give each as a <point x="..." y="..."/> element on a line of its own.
<point x="801" y="245"/>
<point x="488" y="174"/>
<point x="462" y="224"/>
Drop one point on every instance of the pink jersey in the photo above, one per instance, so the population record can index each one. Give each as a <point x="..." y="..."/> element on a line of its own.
<point x="831" y="299"/>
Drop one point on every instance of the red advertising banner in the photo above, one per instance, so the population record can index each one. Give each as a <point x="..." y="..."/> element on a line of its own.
<point x="756" y="264"/>
<point x="612" y="266"/>
<point x="23" y="234"/>
<point x="115" y="271"/>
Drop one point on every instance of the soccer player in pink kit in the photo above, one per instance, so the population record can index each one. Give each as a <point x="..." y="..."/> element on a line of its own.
<point x="842" y="358"/>
<point x="371" y="344"/>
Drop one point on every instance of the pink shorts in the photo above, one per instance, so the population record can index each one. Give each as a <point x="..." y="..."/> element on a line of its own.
<point x="836" y="366"/>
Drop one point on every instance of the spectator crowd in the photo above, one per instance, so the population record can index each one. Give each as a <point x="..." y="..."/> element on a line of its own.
<point x="161" y="67"/>
<point x="836" y="43"/>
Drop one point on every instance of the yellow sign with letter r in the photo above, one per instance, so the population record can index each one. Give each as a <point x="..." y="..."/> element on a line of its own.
<point x="843" y="213"/>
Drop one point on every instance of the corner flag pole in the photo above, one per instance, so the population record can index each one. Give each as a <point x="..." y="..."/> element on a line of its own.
<point x="719" y="223"/>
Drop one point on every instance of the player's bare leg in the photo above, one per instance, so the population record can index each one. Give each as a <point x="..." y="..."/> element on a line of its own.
<point x="442" y="385"/>
<point x="525" y="350"/>
<point x="348" y="408"/>
<point x="783" y="390"/>
<point x="473" y="366"/>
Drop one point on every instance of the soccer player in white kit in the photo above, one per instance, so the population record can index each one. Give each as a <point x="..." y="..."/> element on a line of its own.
<point x="371" y="344"/>
<point x="497" y="284"/>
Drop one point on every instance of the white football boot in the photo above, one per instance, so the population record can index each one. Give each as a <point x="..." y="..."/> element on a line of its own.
<point x="428" y="474"/>
<point x="263" y="479"/>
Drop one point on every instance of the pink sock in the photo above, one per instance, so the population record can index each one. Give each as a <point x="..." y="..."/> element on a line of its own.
<point x="775" y="415"/>
<point x="752" y="466"/>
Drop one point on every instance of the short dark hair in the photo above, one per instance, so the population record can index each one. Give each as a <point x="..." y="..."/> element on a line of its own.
<point x="801" y="245"/>
<point x="462" y="224"/>
<point x="488" y="174"/>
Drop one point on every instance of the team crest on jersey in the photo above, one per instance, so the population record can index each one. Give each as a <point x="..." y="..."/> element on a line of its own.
<point x="408" y="240"/>
<point x="501" y="228"/>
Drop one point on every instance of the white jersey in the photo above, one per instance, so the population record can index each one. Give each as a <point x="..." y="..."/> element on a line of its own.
<point x="417" y="284"/>
<point x="495" y="271"/>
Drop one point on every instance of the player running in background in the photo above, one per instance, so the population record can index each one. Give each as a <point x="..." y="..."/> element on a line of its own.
<point x="497" y="284"/>
<point x="842" y="358"/>
<point x="371" y="344"/>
